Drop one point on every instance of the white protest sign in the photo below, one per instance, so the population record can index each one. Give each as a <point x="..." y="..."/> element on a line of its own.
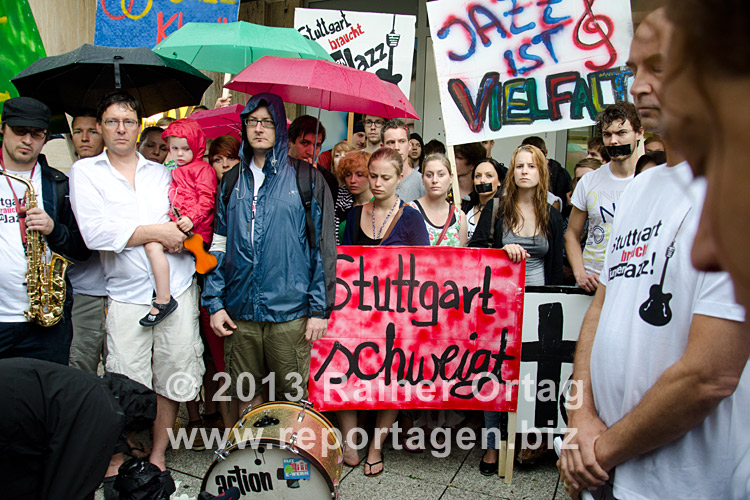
<point x="379" y="43"/>
<point x="552" y="320"/>
<point x="508" y="68"/>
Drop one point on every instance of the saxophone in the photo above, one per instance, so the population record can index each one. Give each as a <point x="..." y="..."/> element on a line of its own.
<point x="45" y="283"/>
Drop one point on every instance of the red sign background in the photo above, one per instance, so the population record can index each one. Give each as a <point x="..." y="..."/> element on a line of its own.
<point x="420" y="314"/>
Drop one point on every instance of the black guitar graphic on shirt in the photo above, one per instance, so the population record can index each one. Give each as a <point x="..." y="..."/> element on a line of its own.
<point x="655" y="310"/>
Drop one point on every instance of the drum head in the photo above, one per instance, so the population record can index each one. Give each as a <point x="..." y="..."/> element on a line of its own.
<point x="268" y="471"/>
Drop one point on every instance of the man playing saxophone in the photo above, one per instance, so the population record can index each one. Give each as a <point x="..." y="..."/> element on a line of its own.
<point x="36" y="221"/>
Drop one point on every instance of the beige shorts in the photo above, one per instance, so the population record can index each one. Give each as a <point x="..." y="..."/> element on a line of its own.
<point x="168" y="357"/>
<point x="280" y="346"/>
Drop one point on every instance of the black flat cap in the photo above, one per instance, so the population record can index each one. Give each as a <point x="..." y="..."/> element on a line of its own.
<point x="26" y="112"/>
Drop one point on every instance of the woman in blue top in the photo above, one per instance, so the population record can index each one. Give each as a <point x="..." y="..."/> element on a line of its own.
<point x="385" y="220"/>
<point x="371" y="223"/>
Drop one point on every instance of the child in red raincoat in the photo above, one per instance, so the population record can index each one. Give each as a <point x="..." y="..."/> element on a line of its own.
<point x="192" y="193"/>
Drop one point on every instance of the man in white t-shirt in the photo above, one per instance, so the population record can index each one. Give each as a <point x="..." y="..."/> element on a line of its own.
<point x="596" y="195"/>
<point x="395" y="136"/>
<point x="25" y="130"/>
<point x="121" y="202"/>
<point x="662" y="349"/>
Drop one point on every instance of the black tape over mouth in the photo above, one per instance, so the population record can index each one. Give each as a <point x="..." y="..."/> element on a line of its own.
<point x="620" y="150"/>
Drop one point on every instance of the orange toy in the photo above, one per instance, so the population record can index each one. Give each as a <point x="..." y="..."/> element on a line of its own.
<point x="204" y="261"/>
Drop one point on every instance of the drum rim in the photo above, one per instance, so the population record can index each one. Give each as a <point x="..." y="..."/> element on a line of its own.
<point x="297" y="405"/>
<point x="278" y="444"/>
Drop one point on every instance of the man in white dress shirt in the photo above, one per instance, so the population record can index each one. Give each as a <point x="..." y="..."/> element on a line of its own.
<point x="121" y="202"/>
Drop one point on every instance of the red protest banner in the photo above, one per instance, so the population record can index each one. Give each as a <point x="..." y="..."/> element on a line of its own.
<point x="421" y="327"/>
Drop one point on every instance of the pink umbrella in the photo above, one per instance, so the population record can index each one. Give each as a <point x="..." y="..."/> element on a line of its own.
<point x="325" y="85"/>
<point x="220" y="121"/>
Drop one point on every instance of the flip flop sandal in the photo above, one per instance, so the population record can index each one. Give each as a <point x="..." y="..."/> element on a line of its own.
<point x="164" y="311"/>
<point x="381" y="461"/>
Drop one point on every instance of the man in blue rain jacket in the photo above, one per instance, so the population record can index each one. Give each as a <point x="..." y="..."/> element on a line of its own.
<point x="272" y="291"/>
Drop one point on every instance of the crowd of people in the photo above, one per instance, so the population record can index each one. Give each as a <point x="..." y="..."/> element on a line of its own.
<point x="663" y="402"/>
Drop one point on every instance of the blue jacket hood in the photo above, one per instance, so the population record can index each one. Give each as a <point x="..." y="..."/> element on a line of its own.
<point x="277" y="156"/>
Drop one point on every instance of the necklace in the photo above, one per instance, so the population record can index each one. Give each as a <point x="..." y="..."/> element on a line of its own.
<point x="376" y="236"/>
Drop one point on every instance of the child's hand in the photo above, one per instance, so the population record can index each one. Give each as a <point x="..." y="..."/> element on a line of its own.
<point x="223" y="102"/>
<point x="185" y="224"/>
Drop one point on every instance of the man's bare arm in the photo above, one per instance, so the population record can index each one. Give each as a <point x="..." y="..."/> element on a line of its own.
<point x="684" y="395"/>
<point x="577" y="220"/>
<point x="167" y="234"/>
<point x="578" y="462"/>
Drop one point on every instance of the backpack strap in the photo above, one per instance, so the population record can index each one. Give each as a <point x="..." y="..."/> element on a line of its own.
<point x="304" y="186"/>
<point x="491" y="239"/>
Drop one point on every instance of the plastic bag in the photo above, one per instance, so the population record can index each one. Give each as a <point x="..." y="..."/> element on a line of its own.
<point x="138" y="479"/>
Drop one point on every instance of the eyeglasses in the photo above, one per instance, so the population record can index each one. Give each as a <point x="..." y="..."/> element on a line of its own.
<point x="113" y="124"/>
<point x="377" y="123"/>
<point x="265" y="123"/>
<point x="36" y="133"/>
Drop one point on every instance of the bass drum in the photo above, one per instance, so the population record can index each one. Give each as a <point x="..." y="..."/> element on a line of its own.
<point x="279" y="450"/>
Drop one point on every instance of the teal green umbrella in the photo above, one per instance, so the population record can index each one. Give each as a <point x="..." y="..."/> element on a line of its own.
<point x="232" y="47"/>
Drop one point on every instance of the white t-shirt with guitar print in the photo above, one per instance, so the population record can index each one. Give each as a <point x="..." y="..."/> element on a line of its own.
<point x="652" y="293"/>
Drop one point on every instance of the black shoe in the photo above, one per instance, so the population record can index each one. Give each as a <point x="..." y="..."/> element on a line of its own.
<point x="164" y="311"/>
<point x="487" y="469"/>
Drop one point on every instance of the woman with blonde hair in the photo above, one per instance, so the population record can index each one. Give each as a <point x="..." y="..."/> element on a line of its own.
<point x="445" y="225"/>
<point x="526" y="227"/>
<point x="384" y="221"/>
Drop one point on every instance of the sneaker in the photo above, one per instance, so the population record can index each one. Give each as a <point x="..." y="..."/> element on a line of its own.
<point x="164" y="311"/>
<point x="198" y="444"/>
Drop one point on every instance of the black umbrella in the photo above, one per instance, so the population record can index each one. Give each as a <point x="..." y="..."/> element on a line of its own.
<point x="80" y="78"/>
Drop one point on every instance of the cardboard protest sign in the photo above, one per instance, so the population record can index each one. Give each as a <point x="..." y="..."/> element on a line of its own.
<point x="379" y="43"/>
<point x="145" y="23"/>
<point x="421" y="327"/>
<point x="552" y="319"/>
<point x="510" y="68"/>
